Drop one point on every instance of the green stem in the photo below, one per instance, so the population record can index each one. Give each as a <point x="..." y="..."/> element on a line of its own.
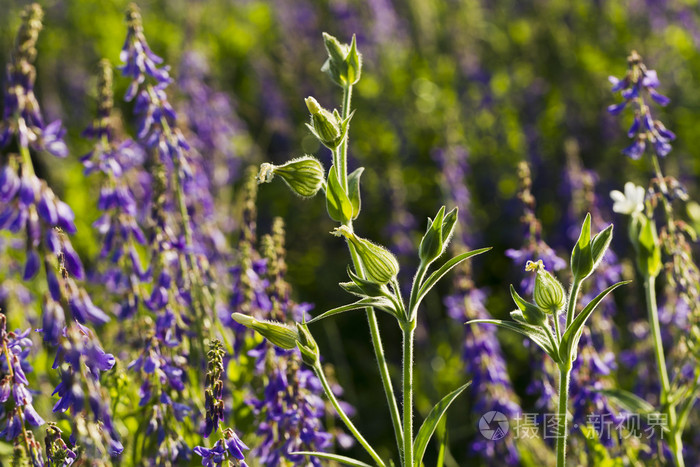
<point x="417" y="282"/>
<point x="556" y="326"/>
<point x="343" y="416"/>
<point x="408" y="334"/>
<point x="343" y="159"/>
<point x="573" y="295"/>
<point x="675" y="442"/>
<point x="564" y="377"/>
<point x="381" y="361"/>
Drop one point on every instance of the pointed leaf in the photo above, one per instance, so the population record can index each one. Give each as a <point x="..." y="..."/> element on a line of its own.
<point x="534" y="333"/>
<point x="572" y="335"/>
<point x="332" y="457"/>
<point x="431" y="422"/>
<point x="337" y="202"/>
<point x="374" y="302"/>
<point x="600" y="244"/>
<point x="582" y="256"/>
<point x="444" y="269"/>
<point x="628" y="401"/>
<point x="354" y="191"/>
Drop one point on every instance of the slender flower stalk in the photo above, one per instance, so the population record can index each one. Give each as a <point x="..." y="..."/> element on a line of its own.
<point x="682" y="273"/>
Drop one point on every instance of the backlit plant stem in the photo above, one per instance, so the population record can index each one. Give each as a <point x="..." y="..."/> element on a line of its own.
<point x="564" y="379"/>
<point x="340" y="156"/>
<point x="408" y="335"/>
<point x="675" y="442"/>
<point x="343" y="416"/>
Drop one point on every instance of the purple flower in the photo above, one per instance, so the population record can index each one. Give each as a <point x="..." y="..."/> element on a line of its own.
<point x="228" y="448"/>
<point x="14" y="348"/>
<point x="638" y="84"/>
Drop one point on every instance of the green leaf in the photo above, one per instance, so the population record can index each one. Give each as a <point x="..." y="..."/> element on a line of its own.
<point x="431" y="422"/>
<point x="628" y="401"/>
<point x="531" y="313"/>
<point x="354" y="191"/>
<point x="332" y="457"/>
<point x="337" y="201"/>
<point x="569" y="340"/>
<point x="536" y="334"/>
<point x="648" y="248"/>
<point x="437" y="275"/>
<point x="374" y="302"/>
<point x="582" y="255"/>
<point x="600" y="244"/>
<point x="370" y="288"/>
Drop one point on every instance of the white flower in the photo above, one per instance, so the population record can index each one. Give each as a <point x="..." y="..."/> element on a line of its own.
<point x="629" y="202"/>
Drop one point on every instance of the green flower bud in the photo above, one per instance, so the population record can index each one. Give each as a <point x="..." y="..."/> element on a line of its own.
<point x="280" y="334"/>
<point x="549" y="293"/>
<point x="437" y="237"/>
<point x="379" y="265"/>
<point x="344" y="64"/>
<point x="326" y="126"/>
<point x="530" y="312"/>
<point x="307" y="345"/>
<point x="304" y="176"/>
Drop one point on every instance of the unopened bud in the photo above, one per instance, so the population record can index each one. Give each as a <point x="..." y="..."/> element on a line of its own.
<point x="326" y="126"/>
<point x="307" y="345"/>
<point x="304" y="176"/>
<point x="549" y="293"/>
<point x="379" y="265"/>
<point x="279" y="334"/>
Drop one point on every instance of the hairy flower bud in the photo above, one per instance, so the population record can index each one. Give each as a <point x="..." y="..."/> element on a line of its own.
<point x="438" y="235"/>
<point x="304" y="176"/>
<point x="549" y="293"/>
<point x="279" y="334"/>
<point x="307" y="345"/>
<point x="379" y="265"/>
<point x="344" y="64"/>
<point x="326" y="126"/>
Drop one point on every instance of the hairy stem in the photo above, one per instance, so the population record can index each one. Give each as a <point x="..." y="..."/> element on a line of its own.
<point x="562" y="434"/>
<point x="675" y="442"/>
<point x="408" y="334"/>
<point x="571" y="309"/>
<point x="381" y="362"/>
<point x="343" y="416"/>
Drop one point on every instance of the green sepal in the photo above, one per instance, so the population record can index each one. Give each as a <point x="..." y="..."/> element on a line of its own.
<point x="582" y="255"/>
<point x="572" y="335"/>
<point x="337" y="202"/>
<point x="353" y="62"/>
<point x="307" y="345"/>
<point x="354" y="191"/>
<point x="431" y="422"/>
<point x="370" y="288"/>
<point x="531" y="312"/>
<point x="600" y="244"/>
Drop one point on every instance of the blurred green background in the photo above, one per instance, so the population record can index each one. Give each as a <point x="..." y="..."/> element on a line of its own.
<point x="508" y="80"/>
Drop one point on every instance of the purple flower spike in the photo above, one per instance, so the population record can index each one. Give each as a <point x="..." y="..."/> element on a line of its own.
<point x="639" y="85"/>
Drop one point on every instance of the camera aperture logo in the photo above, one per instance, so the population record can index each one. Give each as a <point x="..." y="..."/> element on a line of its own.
<point x="493" y="425"/>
